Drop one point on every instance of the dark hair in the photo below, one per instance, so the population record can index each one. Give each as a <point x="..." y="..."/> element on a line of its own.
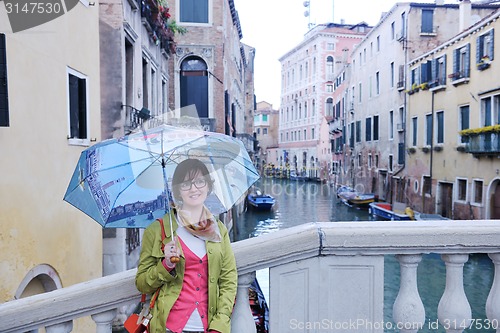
<point x="188" y="169"/>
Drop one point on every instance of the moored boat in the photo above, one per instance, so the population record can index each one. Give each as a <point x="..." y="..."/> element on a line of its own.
<point x="352" y="198"/>
<point x="385" y="210"/>
<point x="260" y="201"/>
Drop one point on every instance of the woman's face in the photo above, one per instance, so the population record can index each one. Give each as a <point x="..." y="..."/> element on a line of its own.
<point x="193" y="191"/>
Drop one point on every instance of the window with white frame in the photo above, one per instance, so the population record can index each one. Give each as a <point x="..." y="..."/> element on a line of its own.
<point x="414" y="133"/>
<point x="464" y="121"/>
<point x="194" y="11"/>
<point x="477" y="191"/>
<point x="485" y="46"/>
<point x="428" y="129"/>
<point x="440" y="127"/>
<point x="490" y="110"/>
<point x="461" y="62"/>
<point x="461" y="186"/>
<point x="77" y="105"/>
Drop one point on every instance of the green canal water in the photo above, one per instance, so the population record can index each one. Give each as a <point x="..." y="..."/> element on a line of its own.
<point x="303" y="202"/>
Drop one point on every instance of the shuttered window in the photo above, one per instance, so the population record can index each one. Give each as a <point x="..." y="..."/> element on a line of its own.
<point x="485" y="46"/>
<point x="4" y="100"/>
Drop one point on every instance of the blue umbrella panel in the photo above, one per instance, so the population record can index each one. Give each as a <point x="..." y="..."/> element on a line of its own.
<point x="126" y="182"/>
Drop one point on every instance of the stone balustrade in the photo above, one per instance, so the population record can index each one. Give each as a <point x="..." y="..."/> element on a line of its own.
<point x="328" y="274"/>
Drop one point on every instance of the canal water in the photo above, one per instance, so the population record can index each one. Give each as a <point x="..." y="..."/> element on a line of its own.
<point x="303" y="202"/>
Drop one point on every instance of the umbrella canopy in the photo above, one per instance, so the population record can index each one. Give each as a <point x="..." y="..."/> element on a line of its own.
<point x="125" y="182"/>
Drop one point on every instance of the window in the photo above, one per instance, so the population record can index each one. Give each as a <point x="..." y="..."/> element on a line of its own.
<point x="368" y="133"/>
<point x="438" y="71"/>
<point x="360" y="161"/>
<point x="414" y="76"/>
<point x="329" y="107"/>
<point x="440" y="127"/>
<point x="264" y="117"/>
<point x="329" y="65"/>
<point x="330" y="46"/>
<point x="461" y="189"/>
<point x="351" y="136"/>
<point x="427" y="185"/>
<point x="490" y="111"/>
<point x="485" y="46"/>
<point x="360" y="92"/>
<point x="77" y="103"/>
<point x="414" y="128"/>
<point x="428" y="129"/>
<point x="194" y="85"/>
<point x="358" y="131"/>
<point x="377" y="83"/>
<point x="375" y="128"/>
<point x="329" y="88"/>
<point x="378" y="43"/>
<point x="464" y="121"/>
<point x="4" y="98"/>
<point x="193" y="11"/>
<point x="393" y="31"/>
<point x="391" y="125"/>
<point x="392" y="75"/>
<point x="391" y="162"/>
<point x="461" y="62"/>
<point x="427" y="21"/>
<point x="477" y="191"/>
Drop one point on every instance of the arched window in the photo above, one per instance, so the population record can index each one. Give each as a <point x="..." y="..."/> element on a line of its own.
<point x="194" y="85"/>
<point x="329" y="106"/>
<point x="329" y="65"/>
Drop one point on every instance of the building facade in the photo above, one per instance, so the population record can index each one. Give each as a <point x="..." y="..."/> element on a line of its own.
<point x="210" y="65"/>
<point x="50" y="112"/>
<point x="454" y="126"/>
<point x="307" y="81"/>
<point x="376" y="102"/>
<point x="265" y="127"/>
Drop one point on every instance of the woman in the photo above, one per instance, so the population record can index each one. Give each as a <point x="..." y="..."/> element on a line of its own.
<point x="196" y="272"/>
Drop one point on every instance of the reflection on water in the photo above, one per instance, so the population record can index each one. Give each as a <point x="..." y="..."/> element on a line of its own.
<point x="303" y="202"/>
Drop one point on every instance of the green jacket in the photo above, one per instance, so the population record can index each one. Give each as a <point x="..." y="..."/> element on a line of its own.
<point x="222" y="277"/>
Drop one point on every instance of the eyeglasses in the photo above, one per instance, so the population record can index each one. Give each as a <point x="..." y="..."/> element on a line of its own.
<point x="198" y="183"/>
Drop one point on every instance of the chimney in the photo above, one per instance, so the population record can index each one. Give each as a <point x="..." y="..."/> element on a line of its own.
<point x="465" y="9"/>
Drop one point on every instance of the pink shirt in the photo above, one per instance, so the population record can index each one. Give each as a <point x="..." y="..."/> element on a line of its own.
<point x="194" y="292"/>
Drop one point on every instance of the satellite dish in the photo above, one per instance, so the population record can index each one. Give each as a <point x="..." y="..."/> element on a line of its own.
<point x="306" y="3"/>
<point x="306" y="13"/>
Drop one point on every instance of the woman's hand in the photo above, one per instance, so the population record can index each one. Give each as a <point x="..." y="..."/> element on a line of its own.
<point x="172" y="254"/>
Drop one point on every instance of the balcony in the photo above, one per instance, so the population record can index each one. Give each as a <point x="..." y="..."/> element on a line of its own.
<point x="483" y="144"/>
<point x="459" y="77"/>
<point x="340" y="263"/>
<point x="155" y="17"/>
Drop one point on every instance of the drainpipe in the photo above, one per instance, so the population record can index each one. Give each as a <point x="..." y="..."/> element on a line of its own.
<point x="432" y="140"/>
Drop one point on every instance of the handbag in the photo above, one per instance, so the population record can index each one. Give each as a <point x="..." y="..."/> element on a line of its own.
<point x="138" y="322"/>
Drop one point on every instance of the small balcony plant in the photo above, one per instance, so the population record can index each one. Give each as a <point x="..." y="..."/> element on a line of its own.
<point x="484" y="63"/>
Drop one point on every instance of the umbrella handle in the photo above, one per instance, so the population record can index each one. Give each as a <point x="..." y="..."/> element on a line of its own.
<point x="173" y="259"/>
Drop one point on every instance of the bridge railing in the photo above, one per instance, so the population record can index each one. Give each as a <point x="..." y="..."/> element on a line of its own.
<point x="322" y="276"/>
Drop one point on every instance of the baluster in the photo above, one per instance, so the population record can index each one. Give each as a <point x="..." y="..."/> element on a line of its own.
<point x="104" y="321"/>
<point x="242" y="319"/>
<point x="454" y="311"/>
<point x="65" y="327"/>
<point x="408" y="310"/>
<point x="493" y="301"/>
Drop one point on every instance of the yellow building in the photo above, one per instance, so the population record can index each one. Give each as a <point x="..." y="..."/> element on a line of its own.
<point x="453" y="140"/>
<point x="49" y="113"/>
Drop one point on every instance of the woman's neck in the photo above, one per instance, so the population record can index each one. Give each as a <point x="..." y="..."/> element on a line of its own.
<point x="194" y="214"/>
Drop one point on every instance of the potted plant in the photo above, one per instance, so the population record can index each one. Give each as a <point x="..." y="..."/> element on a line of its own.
<point x="438" y="148"/>
<point x="426" y="149"/>
<point x="411" y="150"/>
<point x="483" y="63"/>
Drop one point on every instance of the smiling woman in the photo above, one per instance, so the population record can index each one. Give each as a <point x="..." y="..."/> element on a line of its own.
<point x="198" y="251"/>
